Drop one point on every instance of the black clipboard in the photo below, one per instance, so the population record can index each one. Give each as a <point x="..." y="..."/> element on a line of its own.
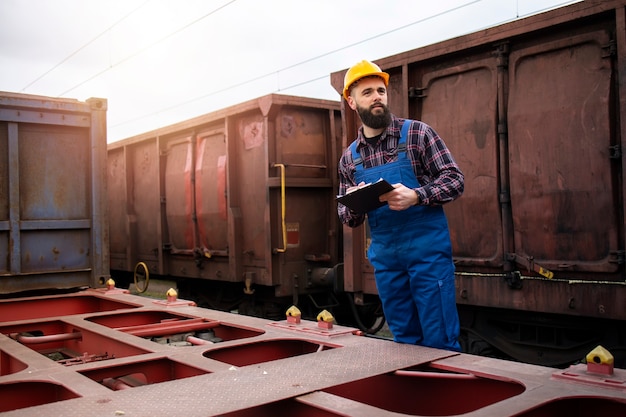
<point x="365" y="198"/>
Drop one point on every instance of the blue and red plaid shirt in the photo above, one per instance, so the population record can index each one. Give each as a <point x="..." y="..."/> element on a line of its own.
<point x="439" y="175"/>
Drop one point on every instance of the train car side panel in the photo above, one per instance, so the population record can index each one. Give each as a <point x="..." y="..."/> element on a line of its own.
<point x="4" y="199"/>
<point x="460" y="101"/>
<point x="53" y="219"/>
<point x="241" y="196"/>
<point x="560" y="139"/>
<point x="211" y="198"/>
<point x="247" y="186"/>
<point x="305" y="148"/>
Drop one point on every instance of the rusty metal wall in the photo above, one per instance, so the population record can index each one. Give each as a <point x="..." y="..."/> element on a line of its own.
<point x="214" y="197"/>
<point x="531" y="110"/>
<point x="53" y="218"/>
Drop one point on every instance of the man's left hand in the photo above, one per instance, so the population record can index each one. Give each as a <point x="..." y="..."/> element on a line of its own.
<point x="401" y="198"/>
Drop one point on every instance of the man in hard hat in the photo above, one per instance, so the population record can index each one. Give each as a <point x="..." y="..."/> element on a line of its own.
<point x="410" y="243"/>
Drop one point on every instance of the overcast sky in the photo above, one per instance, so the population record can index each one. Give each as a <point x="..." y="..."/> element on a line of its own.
<point x="158" y="62"/>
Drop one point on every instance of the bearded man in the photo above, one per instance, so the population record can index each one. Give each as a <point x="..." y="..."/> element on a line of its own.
<point x="410" y="246"/>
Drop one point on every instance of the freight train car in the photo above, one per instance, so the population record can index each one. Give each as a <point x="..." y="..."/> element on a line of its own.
<point x="236" y="206"/>
<point x="53" y="223"/>
<point x="534" y="111"/>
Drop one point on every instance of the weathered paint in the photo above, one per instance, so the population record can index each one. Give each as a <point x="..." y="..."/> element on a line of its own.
<point x="210" y="206"/>
<point x="53" y="217"/>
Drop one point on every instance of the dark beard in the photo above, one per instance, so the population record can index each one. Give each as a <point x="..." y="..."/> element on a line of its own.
<point x="375" y="121"/>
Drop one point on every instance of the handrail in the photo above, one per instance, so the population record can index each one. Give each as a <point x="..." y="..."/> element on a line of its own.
<point x="282" y="201"/>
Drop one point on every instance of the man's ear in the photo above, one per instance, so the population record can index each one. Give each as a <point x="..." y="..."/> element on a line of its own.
<point x="351" y="103"/>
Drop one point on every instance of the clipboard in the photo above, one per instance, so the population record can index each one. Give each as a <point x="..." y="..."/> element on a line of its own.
<point x="365" y="198"/>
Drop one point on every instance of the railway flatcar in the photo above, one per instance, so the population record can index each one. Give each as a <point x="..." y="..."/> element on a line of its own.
<point x="534" y="112"/>
<point x="106" y="352"/>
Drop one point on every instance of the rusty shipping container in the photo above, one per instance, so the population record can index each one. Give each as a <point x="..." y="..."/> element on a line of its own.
<point x="534" y="112"/>
<point x="240" y="195"/>
<point x="53" y="204"/>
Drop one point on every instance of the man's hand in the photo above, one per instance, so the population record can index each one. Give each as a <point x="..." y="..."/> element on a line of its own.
<point x="356" y="187"/>
<point x="401" y="198"/>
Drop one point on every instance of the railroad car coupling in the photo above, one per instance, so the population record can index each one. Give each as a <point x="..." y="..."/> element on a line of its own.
<point x="321" y="277"/>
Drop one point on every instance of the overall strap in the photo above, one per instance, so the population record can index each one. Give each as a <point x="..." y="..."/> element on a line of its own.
<point x="404" y="132"/>
<point x="356" y="156"/>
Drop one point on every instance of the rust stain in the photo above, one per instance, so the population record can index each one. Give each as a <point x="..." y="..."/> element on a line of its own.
<point x="252" y="133"/>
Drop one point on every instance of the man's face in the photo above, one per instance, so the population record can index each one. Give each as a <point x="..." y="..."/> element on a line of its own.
<point x="369" y="98"/>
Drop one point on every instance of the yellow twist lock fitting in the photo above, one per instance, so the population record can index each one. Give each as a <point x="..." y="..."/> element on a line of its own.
<point x="325" y="316"/>
<point x="171" y="295"/>
<point x="293" y="315"/>
<point x="293" y="311"/>
<point x="600" y="356"/>
<point x="325" y="320"/>
<point x="600" y="361"/>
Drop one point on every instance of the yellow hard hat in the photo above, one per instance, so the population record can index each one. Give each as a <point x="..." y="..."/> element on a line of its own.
<point x="360" y="70"/>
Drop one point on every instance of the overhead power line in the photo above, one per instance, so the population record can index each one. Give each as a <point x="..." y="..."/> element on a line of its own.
<point x="139" y="52"/>
<point x="306" y="61"/>
<point x="85" y="45"/>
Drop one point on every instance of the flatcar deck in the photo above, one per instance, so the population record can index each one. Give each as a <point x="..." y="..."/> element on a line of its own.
<point x="110" y="353"/>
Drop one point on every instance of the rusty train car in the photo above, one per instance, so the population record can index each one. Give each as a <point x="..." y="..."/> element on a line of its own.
<point x="236" y="205"/>
<point x="534" y="112"/>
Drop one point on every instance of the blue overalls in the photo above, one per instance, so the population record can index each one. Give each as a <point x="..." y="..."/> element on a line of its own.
<point x="411" y="254"/>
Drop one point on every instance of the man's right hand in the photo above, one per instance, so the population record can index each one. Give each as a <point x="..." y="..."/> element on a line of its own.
<point x="356" y="187"/>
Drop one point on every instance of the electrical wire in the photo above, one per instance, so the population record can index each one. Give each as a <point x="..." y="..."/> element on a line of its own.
<point x="292" y="66"/>
<point x="63" y="61"/>
<point x="239" y="84"/>
<point x="139" y="52"/>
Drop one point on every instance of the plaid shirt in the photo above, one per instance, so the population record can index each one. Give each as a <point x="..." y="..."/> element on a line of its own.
<point x="440" y="177"/>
